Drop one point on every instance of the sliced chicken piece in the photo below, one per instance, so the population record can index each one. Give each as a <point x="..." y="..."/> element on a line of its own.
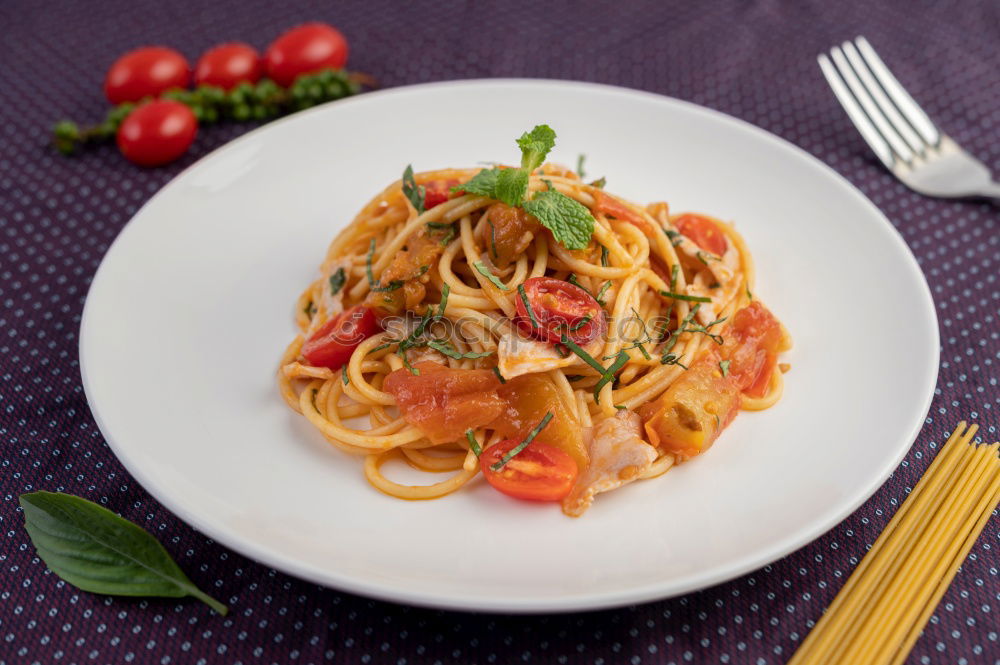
<point x="618" y="455"/>
<point x="518" y="355"/>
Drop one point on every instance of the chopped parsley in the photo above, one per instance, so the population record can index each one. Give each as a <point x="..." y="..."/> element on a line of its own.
<point x="485" y="272"/>
<point x="496" y="466"/>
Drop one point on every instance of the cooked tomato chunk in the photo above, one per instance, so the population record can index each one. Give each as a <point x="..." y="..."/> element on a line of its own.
<point x="510" y="231"/>
<point x="613" y="207"/>
<point x="526" y="400"/>
<point x="751" y="344"/>
<point x="406" y="276"/>
<point x="694" y="410"/>
<point x="444" y="402"/>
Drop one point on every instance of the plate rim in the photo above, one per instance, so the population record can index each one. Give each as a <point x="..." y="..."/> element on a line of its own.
<point x="526" y="605"/>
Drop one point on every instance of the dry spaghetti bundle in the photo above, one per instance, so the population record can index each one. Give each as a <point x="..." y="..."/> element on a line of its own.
<point x="879" y="614"/>
<point x="524" y="323"/>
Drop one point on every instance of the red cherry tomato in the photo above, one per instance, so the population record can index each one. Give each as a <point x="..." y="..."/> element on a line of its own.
<point x="146" y="72"/>
<point x="332" y="345"/>
<point x="703" y="232"/>
<point x="437" y="192"/>
<point x="540" y="472"/>
<point x="303" y="50"/>
<point x="559" y="308"/>
<point x="157" y="132"/>
<point x="228" y="65"/>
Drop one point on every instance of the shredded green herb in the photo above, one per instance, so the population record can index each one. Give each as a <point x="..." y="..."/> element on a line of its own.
<point x="724" y="367"/>
<point x="609" y="374"/>
<point x="604" y="256"/>
<point x="600" y="183"/>
<point x="447" y="349"/>
<point x="581" y="323"/>
<point x="440" y="225"/>
<point x="674" y="272"/>
<point x="445" y="290"/>
<point x="749" y="295"/>
<point x="485" y="272"/>
<point x="579" y="165"/>
<point x="571" y="278"/>
<point x="415" y="194"/>
<point x="586" y="357"/>
<point x="337" y="281"/>
<point x="474" y="446"/>
<point x="604" y="289"/>
<point x="524" y="444"/>
<point x="493" y="237"/>
<point x="382" y="346"/>
<point x="496" y="370"/>
<point x="682" y="296"/>
<point x="674" y="236"/>
<point x="343" y="374"/>
<point x="527" y="306"/>
<point x="714" y="285"/>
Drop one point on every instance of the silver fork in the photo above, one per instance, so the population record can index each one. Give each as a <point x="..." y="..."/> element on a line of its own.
<point x="897" y="129"/>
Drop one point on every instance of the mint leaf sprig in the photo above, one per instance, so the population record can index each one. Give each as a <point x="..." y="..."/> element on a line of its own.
<point x="571" y="223"/>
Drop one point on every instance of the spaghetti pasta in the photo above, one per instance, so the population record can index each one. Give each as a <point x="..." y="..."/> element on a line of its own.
<point x="482" y="300"/>
<point x="878" y="615"/>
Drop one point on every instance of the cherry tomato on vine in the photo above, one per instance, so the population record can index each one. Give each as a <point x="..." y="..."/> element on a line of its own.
<point x="228" y="65"/>
<point x="146" y="72"/>
<point x="157" y="132"/>
<point x="703" y="232"/>
<point x="540" y="472"/>
<point x="559" y="308"/>
<point x="303" y="50"/>
<point x="334" y="342"/>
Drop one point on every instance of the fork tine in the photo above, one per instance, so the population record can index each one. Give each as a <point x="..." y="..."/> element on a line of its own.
<point x="887" y="108"/>
<point x="906" y="104"/>
<point x="871" y="108"/>
<point x="854" y="112"/>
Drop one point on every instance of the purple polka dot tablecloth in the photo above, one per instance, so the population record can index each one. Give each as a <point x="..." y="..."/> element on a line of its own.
<point x="753" y="60"/>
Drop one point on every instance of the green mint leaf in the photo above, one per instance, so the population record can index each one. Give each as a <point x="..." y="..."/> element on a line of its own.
<point x="569" y="220"/>
<point x="511" y="186"/>
<point x="483" y="183"/>
<point x="535" y="145"/>
<point x="337" y="281"/>
<point x="411" y="191"/>
<point x="95" y="550"/>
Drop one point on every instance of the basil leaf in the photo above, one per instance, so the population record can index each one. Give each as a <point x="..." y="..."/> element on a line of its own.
<point x="568" y="219"/>
<point x="95" y="550"/>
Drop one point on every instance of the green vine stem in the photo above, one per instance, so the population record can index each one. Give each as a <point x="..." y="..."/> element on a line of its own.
<point x="263" y="100"/>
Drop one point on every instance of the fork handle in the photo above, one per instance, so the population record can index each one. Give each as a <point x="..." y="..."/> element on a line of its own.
<point x="991" y="190"/>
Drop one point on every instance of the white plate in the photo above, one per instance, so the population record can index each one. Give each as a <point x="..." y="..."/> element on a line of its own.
<point x="192" y="306"/>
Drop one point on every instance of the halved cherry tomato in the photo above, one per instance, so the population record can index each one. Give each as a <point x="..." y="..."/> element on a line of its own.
<point x="560" y="308"/>
<point x="540" y="472"/>
<point x="437" y="192"/>
<point x="703" y="232"/>
<point x="157" y="132"/>
<point x="303" y="50"/>
<point x="332" y="345"/>
<point x="146" y="72"/>
<point x="227" y="65"/>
